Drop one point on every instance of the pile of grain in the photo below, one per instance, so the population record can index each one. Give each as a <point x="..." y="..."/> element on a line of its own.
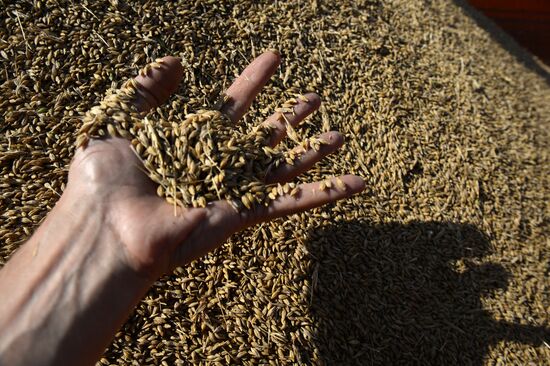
<point x="203" y="157"/>
<point x="443" y="260"/>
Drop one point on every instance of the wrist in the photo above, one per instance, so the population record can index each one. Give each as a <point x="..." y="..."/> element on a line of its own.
<point x="70" y="283"/>
<point x="81" y="228"/>
<point x="90" y="216"/>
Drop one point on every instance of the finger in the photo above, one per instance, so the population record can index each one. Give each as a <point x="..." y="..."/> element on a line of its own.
<point x="307" y="159"/>
<point x="221" y="221"/>
<point x="309" y="196"/>
<point x="301" y="110"/>
<point x="245" y="88"/>
<point x="157" y="84"/>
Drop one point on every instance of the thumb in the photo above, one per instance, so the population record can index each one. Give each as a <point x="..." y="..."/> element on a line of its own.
<point x="178" y="224"/>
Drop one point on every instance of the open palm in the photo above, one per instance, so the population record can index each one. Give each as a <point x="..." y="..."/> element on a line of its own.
<point x="153" y="237"/>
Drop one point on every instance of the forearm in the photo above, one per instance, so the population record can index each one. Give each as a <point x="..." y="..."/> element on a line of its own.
<point x="67" y="290"/>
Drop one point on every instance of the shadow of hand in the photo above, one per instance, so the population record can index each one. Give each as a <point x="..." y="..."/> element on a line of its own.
<point x="393" y="294"/>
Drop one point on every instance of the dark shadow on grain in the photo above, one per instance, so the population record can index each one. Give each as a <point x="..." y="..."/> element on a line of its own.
<point x="504" y="39"/>
<point x="396" y="294"/>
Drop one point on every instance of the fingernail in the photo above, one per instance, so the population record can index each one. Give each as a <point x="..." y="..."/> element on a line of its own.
<point x="274" y="50"/>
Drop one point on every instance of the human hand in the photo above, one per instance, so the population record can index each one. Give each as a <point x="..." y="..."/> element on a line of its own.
<point x="153" y="237"/>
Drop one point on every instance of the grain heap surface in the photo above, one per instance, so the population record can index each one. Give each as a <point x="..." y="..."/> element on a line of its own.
<point x="444" y="260"/>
